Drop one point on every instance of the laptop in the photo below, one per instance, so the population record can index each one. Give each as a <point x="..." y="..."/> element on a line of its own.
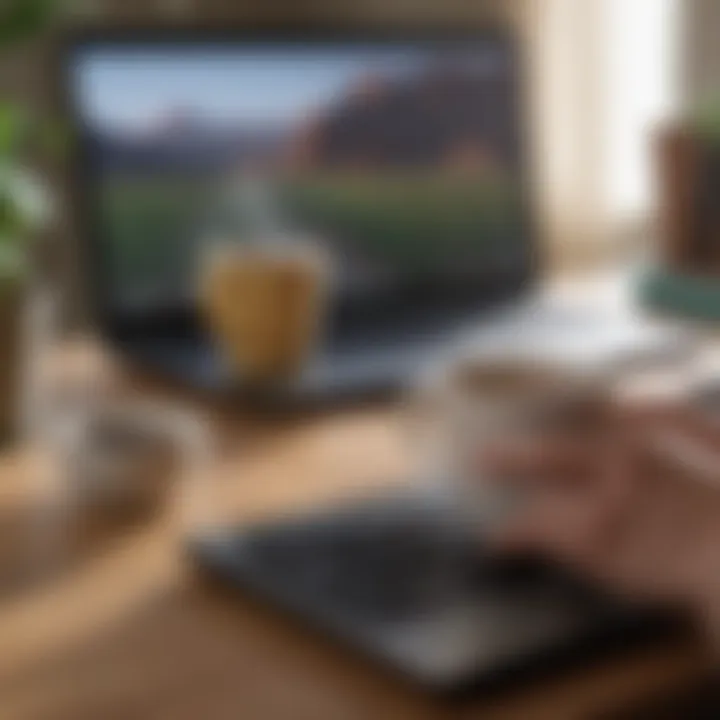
<point x="402" y="154"/>
<point x="405" y="155"/>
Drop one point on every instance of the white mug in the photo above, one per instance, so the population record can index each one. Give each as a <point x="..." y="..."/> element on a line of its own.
<point x="467" y="407"/>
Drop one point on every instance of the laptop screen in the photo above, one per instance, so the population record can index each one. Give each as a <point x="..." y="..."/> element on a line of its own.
<point x="402" y="158"/>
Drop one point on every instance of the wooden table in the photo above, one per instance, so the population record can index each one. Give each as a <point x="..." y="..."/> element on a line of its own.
<point x="124" y="630"/>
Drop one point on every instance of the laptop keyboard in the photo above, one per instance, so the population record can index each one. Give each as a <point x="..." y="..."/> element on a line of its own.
<point x="398" y="563"/>
<point x="402" y="579"/>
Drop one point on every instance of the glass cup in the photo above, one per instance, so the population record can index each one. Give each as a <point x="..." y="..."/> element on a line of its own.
<point x="469" y="407"/>
<point x="264" y="306"/>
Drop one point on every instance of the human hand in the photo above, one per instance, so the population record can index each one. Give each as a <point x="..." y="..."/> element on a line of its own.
<point x="635" y="505"/>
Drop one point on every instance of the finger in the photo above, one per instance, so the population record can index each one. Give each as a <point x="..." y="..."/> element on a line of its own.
<point x="699" y="424"/>
<point x="690" y="419"/>
<point x="616" y="476"/>
<point x="645" y="414"/>
<point x="566" y="526"/>
<point x="682" y="462"/>
<point x="538" y="459"/>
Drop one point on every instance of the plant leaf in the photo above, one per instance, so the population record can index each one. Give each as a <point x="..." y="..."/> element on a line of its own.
<point x="21" y="19"/>
<point x="26" y="203"/>
<point x="13" y="123"/>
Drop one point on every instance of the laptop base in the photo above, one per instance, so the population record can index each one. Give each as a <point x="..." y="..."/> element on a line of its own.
<point x="399" y="578"/>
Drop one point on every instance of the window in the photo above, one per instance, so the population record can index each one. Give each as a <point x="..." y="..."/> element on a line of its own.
<point x="605" y="75"/>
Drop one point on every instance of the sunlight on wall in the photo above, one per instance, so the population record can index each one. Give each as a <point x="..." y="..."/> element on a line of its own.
<point x="606" y="74"/>
<point x="641" y="65"/>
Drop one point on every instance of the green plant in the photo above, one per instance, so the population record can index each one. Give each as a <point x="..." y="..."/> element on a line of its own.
<point x="25" y="205"/>
<point x="705" y="121"/>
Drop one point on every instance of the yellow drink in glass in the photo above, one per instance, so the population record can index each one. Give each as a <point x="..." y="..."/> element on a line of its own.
<point x="264" y="307"/>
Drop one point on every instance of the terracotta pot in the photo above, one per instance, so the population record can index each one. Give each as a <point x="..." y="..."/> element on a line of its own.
<point x="688" y="170"/>
<point x="11" y="297"/>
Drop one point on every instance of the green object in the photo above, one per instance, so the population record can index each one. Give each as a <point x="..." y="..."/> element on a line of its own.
<point x="693" y="297"/>
<point x="22" y="19"/>
<point x="705" y="121"/>
<point x="25" y="203"/>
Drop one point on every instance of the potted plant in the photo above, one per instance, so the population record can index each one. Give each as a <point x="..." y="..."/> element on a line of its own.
<point x="24" y="203"/>
<point x="688" y="156"/>
<point x="24" y="211"/>
<point x="687" y="279"/>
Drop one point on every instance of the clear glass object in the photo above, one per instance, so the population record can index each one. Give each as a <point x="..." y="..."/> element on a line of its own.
<point x="98" y="454"/>
<point x="263" y="284"/>
<point x="464" y="409"/>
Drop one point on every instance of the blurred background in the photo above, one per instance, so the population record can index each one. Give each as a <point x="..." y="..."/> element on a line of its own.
<point x="356" y="178"/>
<point x="603" y="76"/>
